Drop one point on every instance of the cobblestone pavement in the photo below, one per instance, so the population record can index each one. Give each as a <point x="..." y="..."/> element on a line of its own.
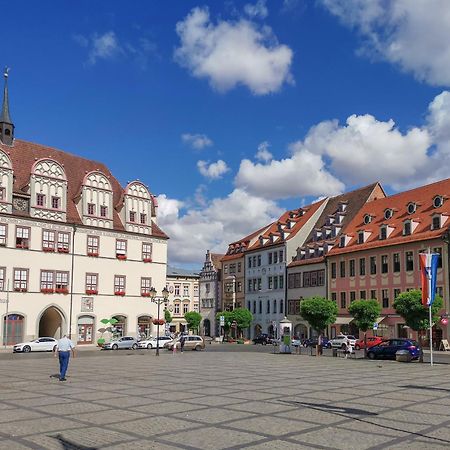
<point x="222" y="400"/>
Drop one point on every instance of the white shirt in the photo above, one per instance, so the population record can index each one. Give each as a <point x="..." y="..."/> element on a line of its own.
<point x="65" y="344"/>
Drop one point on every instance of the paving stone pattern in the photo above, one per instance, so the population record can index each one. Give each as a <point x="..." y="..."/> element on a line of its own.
<point x="222" y="400"/>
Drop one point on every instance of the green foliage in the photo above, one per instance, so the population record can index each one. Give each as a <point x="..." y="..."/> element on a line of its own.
<point x="243" y="318"/>
<point x="228" y="319"/>
<point x="167" y="316"/>
<point x="319" y="312"/>
<point x="409" y="306"/>
<point x="365" y="313"/>
<point x="193" y="320"/>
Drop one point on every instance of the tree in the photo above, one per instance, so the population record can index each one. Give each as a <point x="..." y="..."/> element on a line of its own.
<point x="243" y="318"/>
<point x="409" y="306"/>
<point x="193" y="320"/>
<point x="365" y="314"/>
<point x="319" y="312"/>
<point x="167" y="316"/>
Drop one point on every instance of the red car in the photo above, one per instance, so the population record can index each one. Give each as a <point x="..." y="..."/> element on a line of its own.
<point x="371" y="341"/>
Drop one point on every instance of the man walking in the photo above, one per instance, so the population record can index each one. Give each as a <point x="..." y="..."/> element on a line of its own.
<point x="182" y="341"/>
<point x="63" y="348"/>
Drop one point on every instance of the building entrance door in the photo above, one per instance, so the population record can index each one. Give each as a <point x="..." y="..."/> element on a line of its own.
<point x="85" y="333"/>
<point x="12" y="329"/>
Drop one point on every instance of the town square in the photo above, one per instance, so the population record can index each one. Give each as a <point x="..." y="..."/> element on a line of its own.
<point x="225" y="225"/>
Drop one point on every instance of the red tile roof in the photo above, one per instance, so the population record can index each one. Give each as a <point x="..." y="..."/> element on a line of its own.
<point x="24" y="154"/>
<point x="423" y="198"/>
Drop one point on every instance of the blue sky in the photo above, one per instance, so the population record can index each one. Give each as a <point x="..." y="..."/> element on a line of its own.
<point x="233" y="111"/>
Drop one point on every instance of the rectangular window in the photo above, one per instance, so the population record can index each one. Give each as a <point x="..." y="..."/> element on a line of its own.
<point x="260" y="306"/>
<point x="47" y="280"/>
<point x="269" y="255"/>
<point x="2" y="194"/>
<point x="407" y="228"/>
<point x="275" y="282"/>
<point x="185" y="290"/>
<point x="313" y="278"/>
<point x="409" y="257"/>
<point x="254" y="306"/>
<point x="362" y="295"/>
<point x="3" y="234"/>
<point x="225" y="268"/>
<point x="91" y="283"/>
<point x="385" y="297"/>
<point x="436" y="224"/>
<point x="282" y="306"/>
<point x="239" y="267"/>
<point x="352" y="296"/>
<point x="207" y="288"/>
<point x="268" y="307"/>
<point x="63" y="242"/>
<point x="185" y="308"/>
<point x="384" y="264"/>
<point x="254" y="261"/>
<point x="143" y="219"/>
<point x="306" y="279"/>
<point x="396" y="293"/>
<point x="22" y="237"/>
<point x="293" y="307"/>
<point x="362" y="266"/>
<point x="132" y="216"/>
<point x="333" y="270"/>
<point x="147" y="251"/>
<point x="119" y="284"/>
<point x="93" y="243"/>
<point x="342" y="269"/>
<point x="373" y="295"/>
<point x="343" y="301"/>
<point x="91" y="209"/>
<point x="239" y="286"/>
<point x="177" y="289"/>
<point x="56" y="202"/>
<point x="2" y="278"/>
<point x="269" y="282"/>
<point x="334" y="297"/>
<point x="281" y="281"/>
<point x="233" y="268"/>
<point x="48" y="241"/>
<point x="383" y="233"/>
<point x="259" y="284"/>
<point x="146" y="284"/>
<point x="321" y="277"/>
<point x="291" y="280"/>
<point x="275" y="257"/>
<point x="281" y="256"/>
<point x="298" y="280"/>
<point x="121" y="248"/>
<point x="249" y="261"/>
<point x="249" y="286"/>
<point x="373" y="265"/>
<point x="195" y="290"/>
<point x="361" y="237"/>
<point x="62" y="282"/>
<point x="103" y="211"/>
<point x="396" y="261"/>
<point x="40" y="200"/>
<point x="274" y="306"/>
<point x="20" y="280"/>
<point x="176" y="309"/>
<point x="351" y="268"/>
<point x="259" y="260"/>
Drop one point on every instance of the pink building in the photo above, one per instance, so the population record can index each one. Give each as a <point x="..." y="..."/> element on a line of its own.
<point x="377" y="256"/>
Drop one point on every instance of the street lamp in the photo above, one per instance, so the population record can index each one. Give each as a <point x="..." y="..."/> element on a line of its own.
<point x="159" y="301"/>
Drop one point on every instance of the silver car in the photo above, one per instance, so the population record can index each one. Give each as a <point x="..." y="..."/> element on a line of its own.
<point x="123" y="342"/>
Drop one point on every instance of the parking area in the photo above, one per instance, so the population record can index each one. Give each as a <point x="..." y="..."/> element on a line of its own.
<point x="222" y="399"/>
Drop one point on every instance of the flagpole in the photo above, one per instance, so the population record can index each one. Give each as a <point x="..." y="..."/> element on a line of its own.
<point x="429" y="311"/>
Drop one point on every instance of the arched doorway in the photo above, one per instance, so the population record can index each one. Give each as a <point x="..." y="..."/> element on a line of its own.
<point x="120" y="328"/>
<point x="301" y="331"/>
<point x="13" y="329"/>
<point x="52" y="323"/>
<point x="144" y="326"/>
<point x="271" y="331"/>
<point x="85" y="329"/>
<point x="258" y="329"/>
<point x="207" y="327"/>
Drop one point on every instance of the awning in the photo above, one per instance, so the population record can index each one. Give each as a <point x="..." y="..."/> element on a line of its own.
<point x="343" y="320"/>
<point x="380" y="319"/>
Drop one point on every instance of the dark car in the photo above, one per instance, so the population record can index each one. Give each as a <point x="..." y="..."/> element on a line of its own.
<point x="389" y="347"/>
<point x="263" y="339"/>
<point x="313" y="342"/>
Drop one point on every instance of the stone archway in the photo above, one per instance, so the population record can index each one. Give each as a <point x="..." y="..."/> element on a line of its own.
<point x="52" y="323"/>
<point x="207" y="327"/>
<point x="301" y="331"/>
<point x="257" y="329"/>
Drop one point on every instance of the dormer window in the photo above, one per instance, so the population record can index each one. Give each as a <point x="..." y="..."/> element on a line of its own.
<point x="383" y="232"/>
<point x="367" y="219"/>
<point x="436" y="222"/>
<point x="342" y="206"/>
<point x="361" y="237"/>
<point x="103" y="211"/>
<point x="56" y="202"/>
<point x="342" y="241"/>
<point x="407" y="228"/>
<point x="438" y="201"/>
<point x="132" y="216"/>
<point x="388" y="213"/>
<point x="40" y="199"/>
<point x="91" y="209"/>
<point x="143" y="219"/>
<point x="411" y="208"/>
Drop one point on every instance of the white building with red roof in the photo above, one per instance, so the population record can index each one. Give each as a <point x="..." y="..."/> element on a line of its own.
<point x="75" y="246"/>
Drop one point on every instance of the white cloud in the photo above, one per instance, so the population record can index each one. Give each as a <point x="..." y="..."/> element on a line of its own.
<point x="415" y="34"/>
<point x="212" y="171"/>
<point x="212" y="227"/>
<point x="263" y="153"/>
<point x="258" y="9"/>
<point x="197" y="141"/>
<point x="233" y="53"/>
<point x="105" y="46"/>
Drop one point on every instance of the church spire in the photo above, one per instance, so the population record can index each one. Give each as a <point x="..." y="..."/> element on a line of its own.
<point x="6" y="125"/>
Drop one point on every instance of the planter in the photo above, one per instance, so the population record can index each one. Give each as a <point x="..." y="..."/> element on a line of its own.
<point x="94" y="255"/>
<point x="62" y="291"/>
<point x="48" y="250"/>
<point x="147" y="260"/>
<point x="47" y="291"/>
<point x="120" y="293"/>
<point x="158" y="322"/>
<point x="100" y="342"/>
<point x="63" y="250"/>
<point x="145" y="294"/>
<point x="121" y="257"/>
<point x="91" y="292"/>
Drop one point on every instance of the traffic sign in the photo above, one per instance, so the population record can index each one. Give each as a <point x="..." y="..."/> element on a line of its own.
<point x="375" y="326"/>
<point x="222" y="321"/>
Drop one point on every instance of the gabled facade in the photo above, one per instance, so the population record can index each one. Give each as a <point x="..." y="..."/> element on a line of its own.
<point x="379" y="256"/>
<point x="265" y="266"/>
<point x="307" y="273"/>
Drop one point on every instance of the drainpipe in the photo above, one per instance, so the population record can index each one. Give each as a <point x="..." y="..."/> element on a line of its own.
<point x="71" y="280"/>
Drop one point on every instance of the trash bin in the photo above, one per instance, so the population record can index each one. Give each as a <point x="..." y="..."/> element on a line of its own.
<point x="403" y="356"/>
<point x="334" y="352"/>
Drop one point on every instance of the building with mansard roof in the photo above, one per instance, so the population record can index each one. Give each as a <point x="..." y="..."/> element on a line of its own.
<point x="75" y="246"/>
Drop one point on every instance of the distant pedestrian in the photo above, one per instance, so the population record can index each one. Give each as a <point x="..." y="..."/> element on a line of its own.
<point x="63" y="348"/>
<point x="182" y="340"/>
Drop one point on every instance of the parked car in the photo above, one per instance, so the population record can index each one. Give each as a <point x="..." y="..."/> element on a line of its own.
<point x="123" y="342"/>
<point x="42" y="344"/>
<point x="313" y="342"/>
<point x="263" y="339"/>
<point x="192" y="342"/>
<point x="154" y="341"/>
<point x="340" y="341"/>
<point x="389" y="347"/>
<point x="371" y="341"/>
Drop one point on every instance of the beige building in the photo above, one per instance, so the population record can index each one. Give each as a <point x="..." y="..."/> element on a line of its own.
<point x="183" y="287"/>
<point x="75" y="247"/>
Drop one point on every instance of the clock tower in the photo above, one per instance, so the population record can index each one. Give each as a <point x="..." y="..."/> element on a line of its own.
<point x="6" y="125"/>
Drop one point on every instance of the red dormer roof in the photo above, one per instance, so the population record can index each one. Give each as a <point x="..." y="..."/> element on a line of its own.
<point x="422" y="197"/>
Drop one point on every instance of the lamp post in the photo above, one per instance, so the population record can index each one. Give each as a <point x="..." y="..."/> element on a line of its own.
<point x="158" y="301"/>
